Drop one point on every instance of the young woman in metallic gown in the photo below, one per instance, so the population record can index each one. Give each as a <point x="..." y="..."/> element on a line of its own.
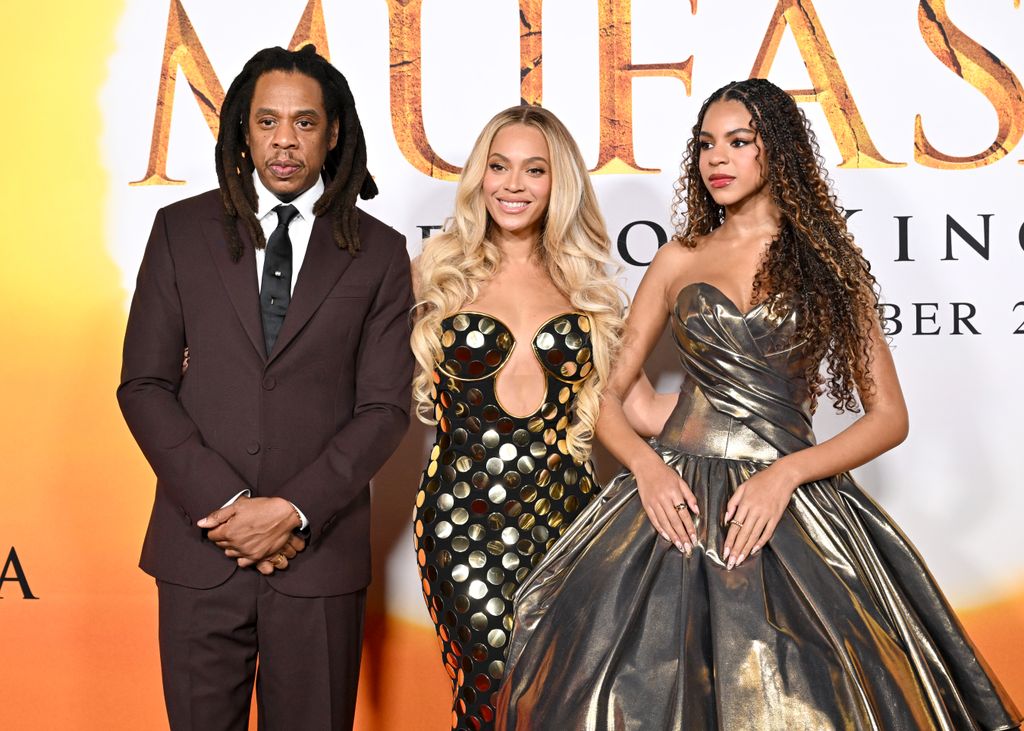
<point x="735" y="576"/>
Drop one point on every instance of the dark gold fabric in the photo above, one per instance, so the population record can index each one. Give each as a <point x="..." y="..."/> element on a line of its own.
<point x="836" y="624"/>
<point x="497" y="491"/>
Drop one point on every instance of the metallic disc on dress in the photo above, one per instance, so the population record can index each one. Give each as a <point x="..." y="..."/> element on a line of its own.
<point x="504" y="341"/>
<point x="495" y="521"/>
<point x="496" y="669"/>
<point x="538" y="450"/>
<point x="460" y="572"/>
<point x="510" y="561"/>
<point x="544" y="341"/>
<point x="549" y="411"/>
<point x="512" y="508"/>
<point x="460" y="544"/>
<point x="477" y="532"/>
<point x="495" y="576"/>
<point x="443" y="529"/>
<point x="528" y="494"/>
<point x="461" y="489"/>
<point x="574" y="340"/>
<point x="512" y="479"/>
<point x="445" y="502"/>
<point x="535" y="424"/>
<point x="477" y="559"/>
<point x="496" y="638"/>
<point x="460" y="322"/>
<point x="495" y="548"/>
<point x="475" y="339"/>
<point x="495" y="606"/>
<point x="477" y="589"/>
<point x="527" y="521"/>
<point x="520" y="437"/>
<point x="459" y="436"/>
<point x="583" y="356"/>
<point x="480" y="480"/>
<point x="495" y="466"/>
<point x="507" y="452"/>
<point x="490" y="439"/>
<point x="555" y="519"/>
<point x="464" y="463"/>
<point x="447" y="339"/>
<point x="461" y="606"/>
<point x="478" y="451"/>
<point x="510" y="535"/>
<point x="525" y="465"/>
<point x="562" y="326"/>
<point x="541" y="507"/>
<point x="540" y="534"/>
<point x="486" y="325"/>
<point x="556" y="491"/>
<point x="460" y="516"/>
<point x="497" y="494"/>
<point x="473" y="424"/>
<point x="478" y="622"/>
<point x="572" y="504"/>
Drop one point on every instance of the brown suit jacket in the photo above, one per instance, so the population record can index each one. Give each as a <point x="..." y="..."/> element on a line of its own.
<point x="310" y="423"/>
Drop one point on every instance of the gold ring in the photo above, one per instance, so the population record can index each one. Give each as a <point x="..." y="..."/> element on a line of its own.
<point x="276" y="560"/>
<point x="736" y="522"/>
<point x="681" y="506"/>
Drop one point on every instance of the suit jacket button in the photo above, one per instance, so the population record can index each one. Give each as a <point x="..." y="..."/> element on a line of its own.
<point x="268" y="383"/>
<point x="253" y="448"/>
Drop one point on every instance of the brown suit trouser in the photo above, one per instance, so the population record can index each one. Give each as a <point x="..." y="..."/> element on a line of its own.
<point x="308" y="650"/>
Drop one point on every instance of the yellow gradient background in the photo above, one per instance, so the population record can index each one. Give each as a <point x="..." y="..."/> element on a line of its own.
<point x="75" y="490"/>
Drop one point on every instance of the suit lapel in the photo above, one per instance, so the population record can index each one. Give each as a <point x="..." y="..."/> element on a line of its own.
<point x="323" y="266"/>
<point x="239" y="279"/>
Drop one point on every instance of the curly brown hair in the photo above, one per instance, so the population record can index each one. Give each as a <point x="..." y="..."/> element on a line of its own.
<point x="812" y="264"/>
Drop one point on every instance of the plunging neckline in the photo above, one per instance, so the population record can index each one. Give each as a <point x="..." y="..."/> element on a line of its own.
<point x="515" y="342"/>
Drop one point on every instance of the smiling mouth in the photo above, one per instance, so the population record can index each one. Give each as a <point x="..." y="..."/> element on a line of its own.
<point x="513" y="206"/>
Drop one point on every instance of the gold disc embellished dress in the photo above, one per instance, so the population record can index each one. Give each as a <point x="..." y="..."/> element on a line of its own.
<point x="497" y="492"/>
<point x="835" y="624"/>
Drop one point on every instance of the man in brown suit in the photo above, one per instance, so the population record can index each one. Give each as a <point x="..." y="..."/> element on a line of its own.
<point x="292" y="306"/>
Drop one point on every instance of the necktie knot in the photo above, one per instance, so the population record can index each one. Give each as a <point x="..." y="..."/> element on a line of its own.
<point x="285" y="214"/>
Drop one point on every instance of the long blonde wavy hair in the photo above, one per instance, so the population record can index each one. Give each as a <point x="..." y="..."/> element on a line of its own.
<point x="573" y="246"/>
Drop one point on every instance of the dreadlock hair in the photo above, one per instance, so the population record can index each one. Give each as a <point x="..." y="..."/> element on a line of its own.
<point x="812" y="264"/>
<point x="345" y="165"/>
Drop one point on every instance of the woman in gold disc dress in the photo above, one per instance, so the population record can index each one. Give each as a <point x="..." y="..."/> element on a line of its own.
<point x="516" y="325"/>
<point x="736" y="577"/>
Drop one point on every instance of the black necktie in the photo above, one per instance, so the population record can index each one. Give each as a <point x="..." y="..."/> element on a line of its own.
<point x="276" y="284"/>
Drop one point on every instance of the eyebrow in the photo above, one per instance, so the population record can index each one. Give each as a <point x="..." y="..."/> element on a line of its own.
<point x="730" y="133"/>
<point x="299" y="113"/>
<point x="536" y="158"/>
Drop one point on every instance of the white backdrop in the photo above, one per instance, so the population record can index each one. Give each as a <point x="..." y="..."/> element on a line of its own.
<point x="954" y="486"/>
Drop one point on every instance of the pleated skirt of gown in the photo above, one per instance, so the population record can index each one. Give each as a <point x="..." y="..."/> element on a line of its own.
<point x="836" y="624"/>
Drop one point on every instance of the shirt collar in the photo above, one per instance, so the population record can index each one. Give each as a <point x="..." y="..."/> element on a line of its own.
<point x="267" y="201"/>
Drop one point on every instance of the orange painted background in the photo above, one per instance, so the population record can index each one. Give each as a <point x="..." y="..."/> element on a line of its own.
<point x="74" y="490"/>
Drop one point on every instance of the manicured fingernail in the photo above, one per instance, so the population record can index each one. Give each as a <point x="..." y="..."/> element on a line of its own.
<point x="732" y="562"/>
<point x="725" y="554"/>
<point x="689" y="549"/>
<point x="693" y="537"/>
<point x="665" y="536"/>
<point x="679" y="545"/>
<point x="740" y="559"/>
<point x="754" y="550"/>
<point x="694" y="509"/>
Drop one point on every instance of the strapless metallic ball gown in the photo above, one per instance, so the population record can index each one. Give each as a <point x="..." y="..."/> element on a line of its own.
<point x="836" y="624"/>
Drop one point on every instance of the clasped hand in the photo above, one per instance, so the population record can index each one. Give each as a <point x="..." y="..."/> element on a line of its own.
<point x="256" y="531"/>
<point x="751" y="515"/>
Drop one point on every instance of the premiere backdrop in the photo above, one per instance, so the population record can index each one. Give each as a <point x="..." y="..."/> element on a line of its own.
<point x="111" y="111"/>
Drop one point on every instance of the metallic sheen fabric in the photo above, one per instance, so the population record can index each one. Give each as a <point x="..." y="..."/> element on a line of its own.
<point x="836" y="624"/>
<point x="496" y="493"/>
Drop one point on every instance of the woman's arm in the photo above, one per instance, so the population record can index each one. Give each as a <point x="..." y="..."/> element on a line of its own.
<point x="661" y="489"/>
<point x="647" y="410"/>
<point x="758" y="504"/>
